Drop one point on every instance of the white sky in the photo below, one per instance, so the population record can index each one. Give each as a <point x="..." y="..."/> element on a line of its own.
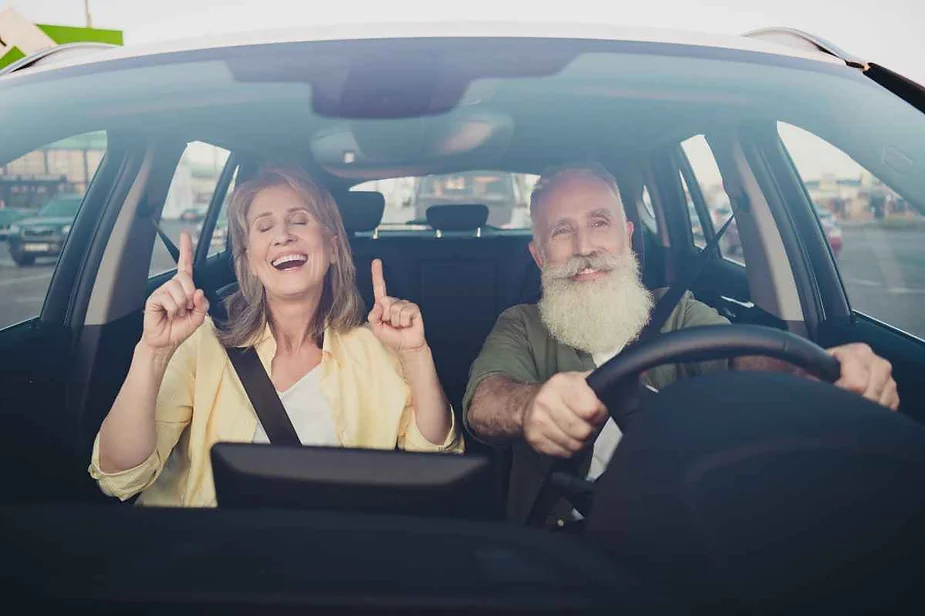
<point x="886" y="31"/>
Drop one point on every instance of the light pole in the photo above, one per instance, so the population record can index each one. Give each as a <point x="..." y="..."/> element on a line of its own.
<point x="87" y="11"/>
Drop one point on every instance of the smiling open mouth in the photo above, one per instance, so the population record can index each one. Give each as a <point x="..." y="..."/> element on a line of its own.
<point x="588" y="273"/>
<point x="287" y="262"/>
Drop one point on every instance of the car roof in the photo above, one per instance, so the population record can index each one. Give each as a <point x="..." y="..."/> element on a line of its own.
<point x="783" y="43"/>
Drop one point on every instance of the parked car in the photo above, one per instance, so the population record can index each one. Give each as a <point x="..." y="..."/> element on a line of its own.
<point x="830" y="227"/>
<point x="43" y="235"/>
<point x="8" y="216"/>
<point x="735" y="492"/>
<point x="194" y="214"/>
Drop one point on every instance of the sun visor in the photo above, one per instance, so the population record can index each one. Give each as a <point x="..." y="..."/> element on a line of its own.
<point x="399" y="78"/>
<point x="345" y="148"/>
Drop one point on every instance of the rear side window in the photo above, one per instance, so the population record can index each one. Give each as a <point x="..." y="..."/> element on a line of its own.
<point x="191" y="189"/>
<point x="709" y="183"/>
<point x="40" y="195"/>
<point x="507" y="196"/>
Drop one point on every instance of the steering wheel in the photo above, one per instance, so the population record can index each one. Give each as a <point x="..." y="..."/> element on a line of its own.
<point x="617" y="384"/>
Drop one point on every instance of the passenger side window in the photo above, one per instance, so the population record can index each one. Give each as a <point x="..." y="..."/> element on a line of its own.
<point x="876" y="236"/>
<point x="40" y="194"/>
<point x="709" y="183"/>
<point x="219" y="239"/>
<point x="191" y="189"/>
<point x="697" y="232"/>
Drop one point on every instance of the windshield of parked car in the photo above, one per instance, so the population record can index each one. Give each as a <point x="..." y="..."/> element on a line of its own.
<point x="61" y="208"/>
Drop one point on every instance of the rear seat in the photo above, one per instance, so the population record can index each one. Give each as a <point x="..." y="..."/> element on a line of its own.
<point x="462" y="280"/>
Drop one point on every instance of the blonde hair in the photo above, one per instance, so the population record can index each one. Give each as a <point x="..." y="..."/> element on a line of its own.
<point x="248" y="315"/>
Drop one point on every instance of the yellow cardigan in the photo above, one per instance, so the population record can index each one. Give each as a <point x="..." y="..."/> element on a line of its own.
<point x="201" y="402"/>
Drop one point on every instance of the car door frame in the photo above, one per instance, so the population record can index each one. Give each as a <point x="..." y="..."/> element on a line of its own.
<point x="37" y="382"/>
<point x="838" y="322"/>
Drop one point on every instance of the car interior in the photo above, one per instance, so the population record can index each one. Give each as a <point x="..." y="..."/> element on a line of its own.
<point x="540" y="105"/>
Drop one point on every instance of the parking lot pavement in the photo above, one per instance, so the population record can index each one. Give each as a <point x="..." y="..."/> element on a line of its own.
<point x="884" y="275"/>
<point x="23" y="289"/>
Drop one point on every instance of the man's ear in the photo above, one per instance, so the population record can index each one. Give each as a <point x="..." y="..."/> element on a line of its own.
<point x="629" y="229"/>
<point x="536" y="253"/>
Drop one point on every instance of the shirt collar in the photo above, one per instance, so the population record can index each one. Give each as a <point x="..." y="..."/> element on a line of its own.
<point x="266" y="344"/>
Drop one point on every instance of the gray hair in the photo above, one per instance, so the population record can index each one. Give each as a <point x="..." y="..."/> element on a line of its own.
<point x="551" y="175"/>
<point x="248" y="314"/>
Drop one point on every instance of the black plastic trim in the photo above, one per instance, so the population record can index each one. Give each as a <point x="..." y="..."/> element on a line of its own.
<point x="903" y="87"/>
<point x="215" y="207"/>
<point x="835" y="302"/>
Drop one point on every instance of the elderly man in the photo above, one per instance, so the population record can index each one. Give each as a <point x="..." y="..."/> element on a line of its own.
<point x="527" y="387"/>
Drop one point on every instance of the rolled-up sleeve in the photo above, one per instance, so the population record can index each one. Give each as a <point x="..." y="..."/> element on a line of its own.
<point x="173" y="412"/>
<point x="506" y="352"/>
<point x="411" y="439"/>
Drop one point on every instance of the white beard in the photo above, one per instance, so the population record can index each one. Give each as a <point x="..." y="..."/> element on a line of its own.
<point x="595" y="316"/>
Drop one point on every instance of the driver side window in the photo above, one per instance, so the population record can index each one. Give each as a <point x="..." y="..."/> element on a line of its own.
<point x="876" y="236"/>
<point x="40" y="194"/>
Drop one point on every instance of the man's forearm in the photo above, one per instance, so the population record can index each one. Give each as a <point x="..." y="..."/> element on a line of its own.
<point x="497" y="409"/>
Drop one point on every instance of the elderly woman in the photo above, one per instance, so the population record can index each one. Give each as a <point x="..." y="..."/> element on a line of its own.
<point x="341" y="382"/>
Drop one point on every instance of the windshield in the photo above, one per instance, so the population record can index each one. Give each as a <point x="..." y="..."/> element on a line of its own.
<point x="65" y="207"/>
<point x="572" y="103"/>
<point x="444" y="131"/>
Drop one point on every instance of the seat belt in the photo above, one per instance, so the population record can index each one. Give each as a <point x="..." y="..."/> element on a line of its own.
<point x="262" y="394"/>
<point x="257" y="384"/>
<point x="172" y="249"/>
<point x="672" y="297"/>
<point x="549" y="493"/>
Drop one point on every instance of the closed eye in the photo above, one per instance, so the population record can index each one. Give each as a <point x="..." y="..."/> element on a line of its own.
<point x="300" y="219"/>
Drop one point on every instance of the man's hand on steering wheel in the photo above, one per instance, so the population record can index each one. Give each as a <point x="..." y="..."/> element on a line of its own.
<point x="563" y="415"/>
<point x="866" y="373"/>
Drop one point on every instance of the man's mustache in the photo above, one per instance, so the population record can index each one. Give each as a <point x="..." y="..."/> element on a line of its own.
<point x="600" y="261"/>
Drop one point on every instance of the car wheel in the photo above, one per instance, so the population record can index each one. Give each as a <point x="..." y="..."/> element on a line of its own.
<point x="22" y="259"/>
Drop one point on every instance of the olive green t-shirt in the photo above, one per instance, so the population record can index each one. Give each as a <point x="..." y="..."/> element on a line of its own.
<point x="520" y="348"/>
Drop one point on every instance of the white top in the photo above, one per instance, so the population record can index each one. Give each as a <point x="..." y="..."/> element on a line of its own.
<point x="308" y="411"/>
<point x="448" y="29"/>
<point x="610" y="435"/>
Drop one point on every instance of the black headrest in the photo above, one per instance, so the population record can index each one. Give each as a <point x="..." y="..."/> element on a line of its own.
<point x="457" y="217"/>
<point x="361" y="210"/>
